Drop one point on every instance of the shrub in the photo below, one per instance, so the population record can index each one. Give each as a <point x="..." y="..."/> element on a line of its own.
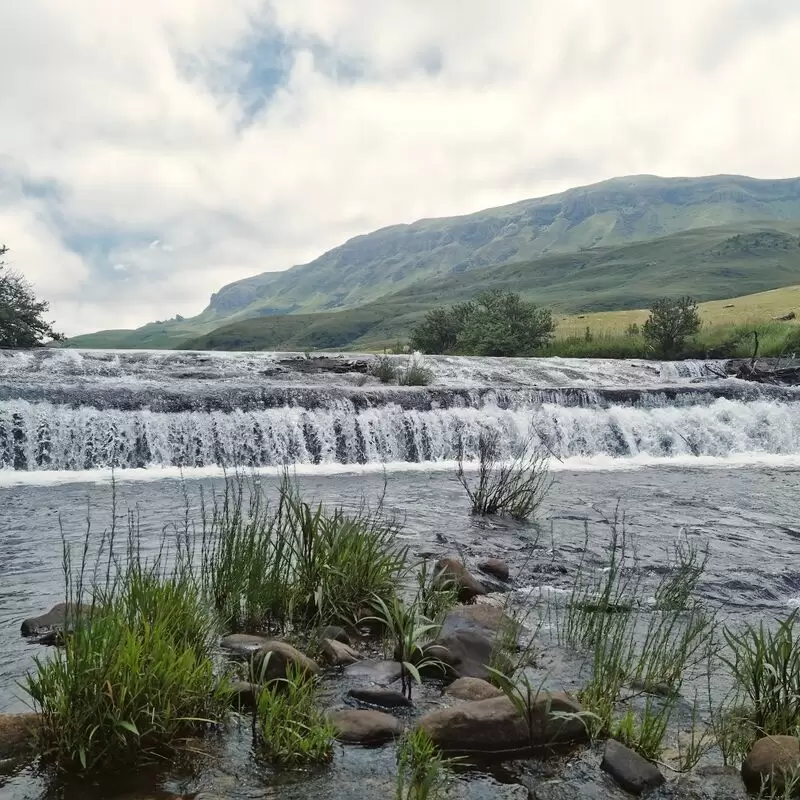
<point x="416" y="373"/>
<point x="515" y="489"/>
<point x="135" y="672"/>
<point x="670" y="324"/>
<point x="383" y="369"/>
<point x="291" y="729"/>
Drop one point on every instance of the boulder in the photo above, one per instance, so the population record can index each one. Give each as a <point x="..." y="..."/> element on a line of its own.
<point x="355" y="726"/>
<point x="16" y="734"/>
<point x="632" y="772"/>
<point x="48" y="627"/>
<point x="380" y="672"/>
<point x="472" y="689"/>
<point x="273" y="660"/>
<point x="243" y="694"/>
<point x="338" y="654"/>
<point x="495" y="567"/>
<point x="379" y="696"/>
<point x="770" y="761"/>
<point x="244" y="644"/>
<point x="451" y="572"/>
<point x="335" y="633"/>
<point x="496" y="727"/>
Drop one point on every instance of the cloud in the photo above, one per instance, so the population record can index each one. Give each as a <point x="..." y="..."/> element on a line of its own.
<point x="155" y="151"/>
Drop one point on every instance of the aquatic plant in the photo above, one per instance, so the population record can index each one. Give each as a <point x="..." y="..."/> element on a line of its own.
<point x="383" y="369"/>
<point x="422" y="770"/>
<point x="290" y="727"/>
<point x="136" y="670"/>
<point x="416" y="372"/>
<point x="515" y="489"/>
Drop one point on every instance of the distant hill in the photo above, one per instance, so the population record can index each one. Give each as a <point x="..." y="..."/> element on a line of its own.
<point x="709" y="264"/>
<point x="385" y="262"/>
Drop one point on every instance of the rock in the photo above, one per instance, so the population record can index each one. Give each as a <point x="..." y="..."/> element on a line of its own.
<point x="49" y="626"/>
<point x="494" y="586"/>
<point x="244" y="644"/>
<point x="16" y="734"/>
<point x="495" y="726"/>
<point x="338" y="654"/>
<point x="273" y="660"/>
<point x="451" y="572"/>
<point x="713" y="782"/>
<point x="381" y="672"/>
<point x="243" y="694"/>
<point x="495" y="567"/>
<point x="472" y="689"/>
<point x="336" y="634"/>
<point x="632" y="772"/>
<point x="387" y="698"/>
<point x="770" y="761"/>
<point x="365" y="727"/>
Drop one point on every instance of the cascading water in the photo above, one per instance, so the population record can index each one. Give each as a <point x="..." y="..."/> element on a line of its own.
<point x="67" y="410"/>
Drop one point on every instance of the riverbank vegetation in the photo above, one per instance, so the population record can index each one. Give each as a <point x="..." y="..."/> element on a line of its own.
<point x="147" y="656"/>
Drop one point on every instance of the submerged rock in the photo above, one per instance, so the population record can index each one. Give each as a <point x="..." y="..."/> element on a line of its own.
<point x="771" y="760"/>
<point x="451" y="572"/>
<point x="495" y="567"/>
<point x="243" y="694"/>
<point x="387" y="698"/>
<point x="273" y="660"/>
<point x="49" y="627"/>
<point x="632" y="772"/>
<point x="338" y="654"/>
<point x="496" y="727"/>
<point x="244" y="644"/>
<point x="356" y="726"/>
<point x="713" y="782"/>
<point x="335" y="633"/>
<point x="472" y="689"/>
<point x="16" y="734"/>
<point x="380" y="672"/>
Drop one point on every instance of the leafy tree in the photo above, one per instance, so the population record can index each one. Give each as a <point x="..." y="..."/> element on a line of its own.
<point x="671" y="322"/>
<point x="21" y="314"/>
<point x="438" y="332"/>
<point x="501" y="323"/>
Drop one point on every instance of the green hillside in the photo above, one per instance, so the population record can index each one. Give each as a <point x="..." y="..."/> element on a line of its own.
<point x="377" y="265"/>
<point x="711" y="263"/>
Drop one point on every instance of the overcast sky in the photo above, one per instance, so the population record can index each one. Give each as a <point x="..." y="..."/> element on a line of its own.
<point x="152" y="151"/>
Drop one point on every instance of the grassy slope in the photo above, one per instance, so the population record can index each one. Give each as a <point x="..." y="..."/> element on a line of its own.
<point x="708" y="264"/>
<point x="370" y="268"/>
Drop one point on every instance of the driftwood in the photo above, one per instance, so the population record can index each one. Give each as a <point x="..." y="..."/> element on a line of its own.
<point x="778" y="374"/>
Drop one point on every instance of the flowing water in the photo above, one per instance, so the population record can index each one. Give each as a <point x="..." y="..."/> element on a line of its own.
<point x="685" y="452"/>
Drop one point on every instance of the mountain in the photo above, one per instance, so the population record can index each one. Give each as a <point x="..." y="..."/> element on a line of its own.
<point x="708" y="263"/>
<point x="390" y="260"/>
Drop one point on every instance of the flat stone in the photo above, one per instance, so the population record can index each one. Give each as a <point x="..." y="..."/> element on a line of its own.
<point x="472" y="689"/>
<point x="356" y="726"/>
<point x="335" y="633"/>
<point x="49" y="625"/>
<point x="386" y="698"/>
<point x="273" y="660"/>
<point x="495" y="567"/>
<point x="243" y="694"/>
<point x="380" y="672"/>
<point x="631" y="771"/>
<point x="338" y="654"/>
<point x="451" y="572"/>
<point x="770" y="761"/>
<point x="244" y="644"/>
<point x="496" y="727"/>
<point x="16" y="734"/>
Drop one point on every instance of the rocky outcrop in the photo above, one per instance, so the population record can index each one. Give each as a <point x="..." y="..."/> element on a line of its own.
<point x="379" y="696"/>
<point x="274" y="660"/>
<point x="632" y="772"/>
<point x="450" y="572"/>
<point x="495" y="567"/>
<point x="495" y="727"/>
<point x="338" y="654"/>
<point x="770" y="761"/>
<point x="16" y="734"/>
<point x="472" y="689"/>
<point x="355" y="726"/>
<point x="244" y="644"/>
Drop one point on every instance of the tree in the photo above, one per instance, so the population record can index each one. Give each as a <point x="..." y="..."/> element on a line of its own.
<point x="21" y="314"/>
<point x="438" y="332"/>
<point x="671" y="322"/>
<point x="503" y="324"/>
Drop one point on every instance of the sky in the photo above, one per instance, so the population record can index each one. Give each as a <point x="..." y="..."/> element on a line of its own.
<point x="151" y="152"/>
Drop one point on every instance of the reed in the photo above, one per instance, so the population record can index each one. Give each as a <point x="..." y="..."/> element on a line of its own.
<point x="422" y="770"/>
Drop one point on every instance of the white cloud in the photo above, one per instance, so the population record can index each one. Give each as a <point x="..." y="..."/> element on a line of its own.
<point x="126" y="143"/>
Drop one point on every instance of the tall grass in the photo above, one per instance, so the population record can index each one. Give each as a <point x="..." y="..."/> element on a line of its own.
<point x="516" y="488"/>
<point x="416" y="372"/>
<point x="136" y="671"/>
<point x="265" y="567"/>
<point x="422" y="771"/>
